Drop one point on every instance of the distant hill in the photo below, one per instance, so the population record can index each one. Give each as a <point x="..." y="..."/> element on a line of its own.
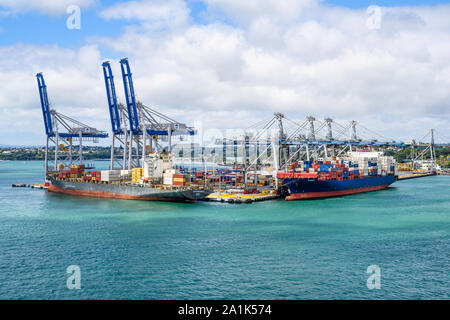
<point x="19" y="146"/>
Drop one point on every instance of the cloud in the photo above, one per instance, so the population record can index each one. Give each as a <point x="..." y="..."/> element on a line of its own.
<point x="245" y="11"/>
<point x="73" y="79"/>
<point x="173" y="12"/>
<point x="51" y="7"/>
<point x="312" y="59"/>
<point x="325" y="62"/>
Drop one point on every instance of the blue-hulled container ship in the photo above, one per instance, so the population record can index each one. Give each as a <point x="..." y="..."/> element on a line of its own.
<point x="356" y="173"/>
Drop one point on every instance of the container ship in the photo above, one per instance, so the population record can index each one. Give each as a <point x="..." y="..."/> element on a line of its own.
<point x="357" y="172"/>
<point x="156" y="181"/>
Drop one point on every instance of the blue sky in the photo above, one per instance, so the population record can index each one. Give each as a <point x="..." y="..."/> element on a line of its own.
<point x="39" y="28"/>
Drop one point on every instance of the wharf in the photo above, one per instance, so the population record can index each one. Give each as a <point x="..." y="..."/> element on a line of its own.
<point x="415" y="176"/>
<point x="241" y="198"/>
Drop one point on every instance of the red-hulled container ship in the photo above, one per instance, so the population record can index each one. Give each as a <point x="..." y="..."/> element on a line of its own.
<point x="356" y="173"/>
<point x="168" y="185"/>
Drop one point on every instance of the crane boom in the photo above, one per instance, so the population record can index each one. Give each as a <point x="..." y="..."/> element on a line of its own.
<point x="133" y="116"/>
<point x="112" y="98"/>
<point x="44" y="104"/>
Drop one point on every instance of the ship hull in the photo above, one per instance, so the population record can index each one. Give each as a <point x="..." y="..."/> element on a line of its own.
<point x="302" y="189"/>
<point x="126" y="192"/>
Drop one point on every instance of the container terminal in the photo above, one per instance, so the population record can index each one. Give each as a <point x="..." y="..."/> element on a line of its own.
<point x="154" y="157"/>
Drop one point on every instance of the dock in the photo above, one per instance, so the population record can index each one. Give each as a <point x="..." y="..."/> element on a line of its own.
<point x="415" y="176"/>
<point x="241" y="198"/>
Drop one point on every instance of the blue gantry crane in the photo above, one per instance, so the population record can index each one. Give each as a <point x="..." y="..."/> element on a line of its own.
<point x="145" y="123"/>
<point x="63" y="131"/>
<point x="119" y="119"/>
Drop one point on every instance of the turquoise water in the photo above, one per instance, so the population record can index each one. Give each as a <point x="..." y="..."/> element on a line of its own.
<point x="267" y="250"/>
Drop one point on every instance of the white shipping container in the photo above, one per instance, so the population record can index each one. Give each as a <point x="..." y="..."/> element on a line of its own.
<point x="167" y="181"/>
<point x="109" y="179"/>
<point x="110" y="175"/>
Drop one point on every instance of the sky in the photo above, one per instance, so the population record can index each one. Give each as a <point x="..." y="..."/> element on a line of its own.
<point x="230" y="63"/>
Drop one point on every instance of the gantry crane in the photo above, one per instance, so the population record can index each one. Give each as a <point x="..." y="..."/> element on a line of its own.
<point x="63" y="131"/>
<point x="146" y="123"/>
<point x="119" y="119"/>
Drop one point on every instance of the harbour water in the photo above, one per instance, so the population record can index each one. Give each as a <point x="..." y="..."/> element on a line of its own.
<point x="316" y="249"/>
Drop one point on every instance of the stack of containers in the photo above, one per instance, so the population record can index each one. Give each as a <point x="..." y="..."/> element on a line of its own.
<point x="389" y="166"/>
<point x="168" y="178"/>
<point x="179" y="179"/>
<point x="261" y="180"/>
<point x="405" y="166"/>
<point x="64" y="175"/>
<point x="376" y="166"/>
<point x="87" y="176"/>
<point x="137" y="174"/>
<point x="96" y="175"/>
<point x="351" y="168"/>
<point x="363" y="165"/>
<point x="126" y="175"/>
<point x="199" y="174"/>
<point x="110" y="175"/>
<point x="76" y="170"/>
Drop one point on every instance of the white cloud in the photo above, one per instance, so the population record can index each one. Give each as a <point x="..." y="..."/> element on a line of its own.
<point x="74" y="86"/>
<point x="246" y="11"/>
<point x="326" y="62"/>
<point x="312" y="59"/>
<point x="51" y="7"/>
<point x="166" y="12"/>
